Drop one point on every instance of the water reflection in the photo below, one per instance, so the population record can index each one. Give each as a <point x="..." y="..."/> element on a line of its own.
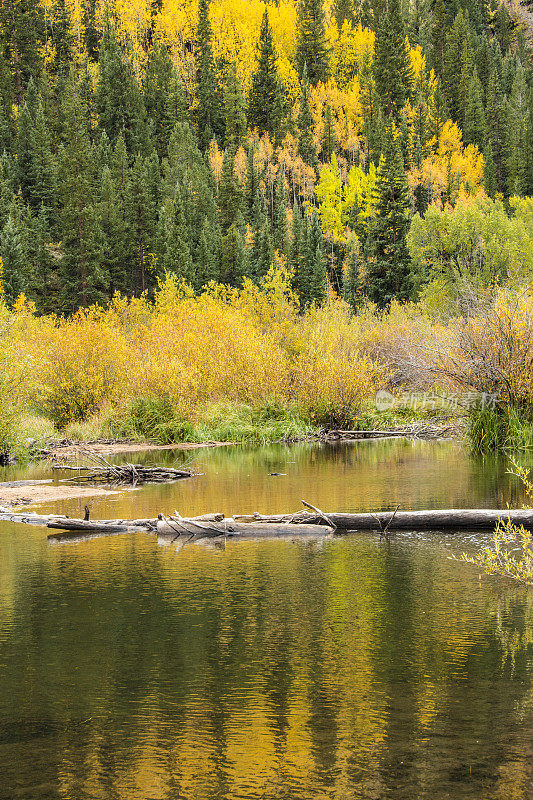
<point x="345" y="669"/>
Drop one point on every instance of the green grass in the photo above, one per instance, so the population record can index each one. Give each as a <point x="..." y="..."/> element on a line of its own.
<point x="501" y="428"/>
<point x="156" y="419"/>
<point x="369" y="418"/>
<point x="269" y="421"/>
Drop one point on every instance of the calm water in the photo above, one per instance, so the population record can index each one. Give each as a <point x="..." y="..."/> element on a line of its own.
<point x="335" y="670"/>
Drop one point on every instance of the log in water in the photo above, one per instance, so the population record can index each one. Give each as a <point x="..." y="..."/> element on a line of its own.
<point x="303" y="523"/>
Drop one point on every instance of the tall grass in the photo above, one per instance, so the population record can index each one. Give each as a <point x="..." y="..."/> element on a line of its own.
<point x="500" y="428"/>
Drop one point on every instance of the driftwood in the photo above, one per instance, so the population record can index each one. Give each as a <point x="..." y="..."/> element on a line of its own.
<point x="437" y="520"/>
<point x="418" y="430"/>
<point x="102" y="470"/>
<point x="302" y="524"/>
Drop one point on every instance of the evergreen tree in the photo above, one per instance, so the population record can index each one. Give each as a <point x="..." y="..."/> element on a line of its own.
<point x="176" y="253"/>
<point x="21" y="22"/>
<point x="208" y="255"/>
<point x="280" y="215"/>
<point x="43" y="285"/>
<point x="306" y="145"/>
<point x="162" y="96"/>
<point x="230" y="194"/>
<point x="393" y="72"/>
<point x="312" y="50"/>
<point x="116" y="239"/>
<point x="234" y="111"/>
<point x="314" y="263"/>
<point x="262" y="111"/>
<point x="474" y="129"/>
<point x="210" y="117"/>
<point x="351" y="284"/>
<point x="23" y="147"/>
<point x="234" y="260"/>
<point x="142" y="222"/>
<point x="343" y="11"/>
<point x="457" y="67"/>
<point x="519" y="133"/>
<point x="61" y="36"/>
<point x="83" y="280"/>
<point x="119" y="101"/>
<point x="42" y="188"/>
<point x="388" y="269"/>
<point x="14" y="254"/>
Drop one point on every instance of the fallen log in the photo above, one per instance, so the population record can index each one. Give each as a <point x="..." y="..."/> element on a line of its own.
<point x="301" y="523"/>
<point x="434" y="520"/>
<point x="414" y="431"/>
<point x="229" y="527"/>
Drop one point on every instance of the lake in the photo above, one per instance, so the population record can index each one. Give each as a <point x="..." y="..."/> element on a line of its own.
<point x="341" y="669"/>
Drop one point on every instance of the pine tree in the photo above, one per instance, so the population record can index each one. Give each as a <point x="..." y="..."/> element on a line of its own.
<point x="42" y="189"/>
<point x="177" y="254"/>
<point x="116" y="239"/>
<point x="457" y="67"/>
<point x="234" y="111"/>
<point x="518" y="135"/>
<point x="142" y="222"/>
<point x="22" y="25"/>
<point x="234" y="259"/>
<point x="343" y="11"/>
<point x="306" y="145"/>
<point x="83" y="280"/>
<point x="210" y="117"/>
<point x="119" y="101"/>
<point x="312" y="49"/>
<point x="280" y="215"/>
<point x="388" y="269"/>
<point x="496" y="121"/>
<point x="315" y="277"/>
<point x="208" y="255"/>
<point x="61" y="36"/>
<point x="262" y="100"/>
<point x="14" y="254"/>
<point x="393" y="72"/>
<point x="351" y="284"/>
<point x="230" y="194"/>
<point x="474" y="129"/>
<point x="43" y="285"/>
<point x="23" y="146"/>
<point x="163" y="95"/>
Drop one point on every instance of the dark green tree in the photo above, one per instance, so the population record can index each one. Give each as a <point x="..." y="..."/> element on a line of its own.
<point x="393" y="72"/>
<point x="22" y="27"/>
<point x="387" y="273"/>
<point x="14" y="253"/>
<point x="305" y="123"/>
<point x="119" y="101"/>
<point x="234" y="111"/>
<point x="83" y="279"/>
<point x="210" y="117"/>
<point x="474" y="128"/>
<point x="312" y="49"/>
<point x="262" y="112"/>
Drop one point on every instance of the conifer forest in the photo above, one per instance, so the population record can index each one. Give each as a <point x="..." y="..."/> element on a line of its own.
<point x="217" y="141"/>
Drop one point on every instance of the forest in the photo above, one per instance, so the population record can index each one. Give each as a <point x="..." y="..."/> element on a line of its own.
<point x="197" y="192"/>
<point x="354" y="144"/>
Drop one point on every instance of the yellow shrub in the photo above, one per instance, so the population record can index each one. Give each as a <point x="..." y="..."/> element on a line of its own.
<point x="330" y="377"/>
<point x="85" y="360"/>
